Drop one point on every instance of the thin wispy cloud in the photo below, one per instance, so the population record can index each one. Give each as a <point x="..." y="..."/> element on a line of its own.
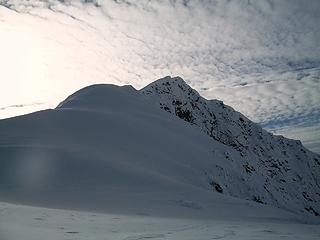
<point x="20" y="105"/>
<point x="261" y="57"/>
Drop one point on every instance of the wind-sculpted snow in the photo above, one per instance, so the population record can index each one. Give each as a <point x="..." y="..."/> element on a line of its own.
<point x="110" y="148"/>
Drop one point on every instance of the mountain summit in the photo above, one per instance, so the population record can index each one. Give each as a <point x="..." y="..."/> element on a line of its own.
<point x="164" y="150"/>
<point x="273" y="169"/>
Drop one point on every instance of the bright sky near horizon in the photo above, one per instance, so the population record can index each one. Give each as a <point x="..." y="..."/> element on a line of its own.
<point x="260" y="57"/>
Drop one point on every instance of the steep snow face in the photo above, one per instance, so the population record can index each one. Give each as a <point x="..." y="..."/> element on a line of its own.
<point x="274" y="169"/>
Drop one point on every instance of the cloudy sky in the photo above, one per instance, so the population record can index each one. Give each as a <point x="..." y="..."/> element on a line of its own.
<point x="262" y="57"/>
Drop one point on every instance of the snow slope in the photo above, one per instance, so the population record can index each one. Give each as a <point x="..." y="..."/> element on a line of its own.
<point x="270" y="169"/>
<point x="110" y="149"/>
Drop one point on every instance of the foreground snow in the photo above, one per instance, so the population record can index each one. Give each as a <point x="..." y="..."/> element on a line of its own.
<point x="33" y="223"/>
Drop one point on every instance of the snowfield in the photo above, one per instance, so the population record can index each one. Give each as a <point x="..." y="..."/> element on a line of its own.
<point x="150" y="173"/>
<point x="34" y="223"/>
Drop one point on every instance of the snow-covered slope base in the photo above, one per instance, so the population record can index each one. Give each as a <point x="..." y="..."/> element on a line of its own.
<point x="34" y="223"/>
<point x="110" y="149"/>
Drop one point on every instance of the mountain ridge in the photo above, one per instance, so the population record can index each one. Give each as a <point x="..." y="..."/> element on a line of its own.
<point x="126" y="143"/>
<point x="276" y="155"/>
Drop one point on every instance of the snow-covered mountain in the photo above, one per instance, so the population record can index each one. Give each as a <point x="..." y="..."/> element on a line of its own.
<point x="271" y="169"/>
<point x="114" y="149"/>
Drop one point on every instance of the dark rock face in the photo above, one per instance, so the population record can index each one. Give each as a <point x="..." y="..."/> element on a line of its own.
<point x="276" y="170"/>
